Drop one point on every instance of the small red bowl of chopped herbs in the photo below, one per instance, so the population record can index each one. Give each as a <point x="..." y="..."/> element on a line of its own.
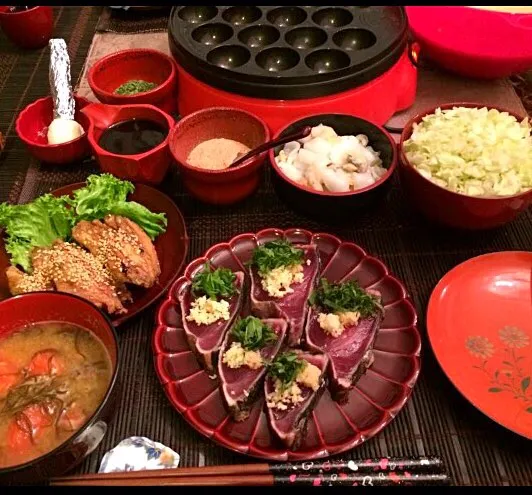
<point x="135" y="76"/>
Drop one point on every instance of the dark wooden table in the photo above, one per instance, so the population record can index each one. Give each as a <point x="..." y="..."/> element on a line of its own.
<point x="436" y="421"/>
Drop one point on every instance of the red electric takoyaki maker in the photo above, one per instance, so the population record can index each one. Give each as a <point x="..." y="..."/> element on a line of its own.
<point x="283" y="63"/>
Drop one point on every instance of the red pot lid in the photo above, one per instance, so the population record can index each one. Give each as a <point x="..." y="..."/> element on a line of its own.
<point x="474" y="32"/>
<point x="479" y="323"/>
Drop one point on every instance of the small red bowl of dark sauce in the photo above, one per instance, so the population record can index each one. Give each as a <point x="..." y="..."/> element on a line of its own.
<point x="130" y="142"/>
<point x="133" y="137"/>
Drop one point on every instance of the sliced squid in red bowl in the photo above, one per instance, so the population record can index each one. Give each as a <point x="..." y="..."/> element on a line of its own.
<point x="333" y="426"/>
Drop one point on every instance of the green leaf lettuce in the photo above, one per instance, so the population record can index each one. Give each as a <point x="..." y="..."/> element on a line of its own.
<point x="105" y="194"/>
<point x="49" y="218"/>
<point x="35" y="224"/>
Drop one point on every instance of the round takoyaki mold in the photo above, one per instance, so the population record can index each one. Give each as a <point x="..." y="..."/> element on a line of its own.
<point x="287" y="52"/>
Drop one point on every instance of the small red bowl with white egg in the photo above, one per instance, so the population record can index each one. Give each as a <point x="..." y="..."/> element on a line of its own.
<point x="337" y="206"/>
<point x="228" y="185"/>
<point x="32" y="127"/>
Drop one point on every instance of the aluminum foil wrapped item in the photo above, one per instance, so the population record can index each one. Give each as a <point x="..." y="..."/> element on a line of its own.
<point x="63" y="127"/>
<point x="138" y="454"/>
<point x="60" y="85"/>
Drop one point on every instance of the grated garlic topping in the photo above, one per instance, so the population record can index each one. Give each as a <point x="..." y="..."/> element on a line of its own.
<point x="334" y="324"/>
<point x="277" y="282"/>
<point x="282" y="399"/>
<point x="205" y="311"/>
<point x="236" y="356"/>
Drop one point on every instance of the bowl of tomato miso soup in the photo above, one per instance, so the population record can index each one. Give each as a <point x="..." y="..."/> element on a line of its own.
<point x="58" y="384"/>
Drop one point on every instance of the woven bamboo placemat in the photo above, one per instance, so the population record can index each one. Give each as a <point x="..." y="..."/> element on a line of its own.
<point x="437" y="420"/>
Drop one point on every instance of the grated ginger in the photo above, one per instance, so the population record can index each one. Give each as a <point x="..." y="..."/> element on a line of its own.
<point x="236" y="356"/>
<point x="334" y="324"/>
<point x="277" y="282"/>
<point x="310" y="377"/>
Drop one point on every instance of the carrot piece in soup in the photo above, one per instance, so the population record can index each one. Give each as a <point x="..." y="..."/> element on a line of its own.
<point x="7" y="367"/>
<point x="72" y="419"/>
<point x="38" y="417"/>
<point x="27" y="427"/>
<point x="6" y="382"/>
<point x="9" y="376"/>
<point x="19" y="435"/>
<point x="47" y="362"/>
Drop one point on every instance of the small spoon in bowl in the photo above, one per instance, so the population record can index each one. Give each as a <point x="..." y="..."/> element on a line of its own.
<point x="302" y="133"/>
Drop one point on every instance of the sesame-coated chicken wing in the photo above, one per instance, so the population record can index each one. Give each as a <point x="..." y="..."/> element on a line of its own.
<point x="68" y="268"/>
<point x="19" y="282"/>
<point x="123" y="247"/>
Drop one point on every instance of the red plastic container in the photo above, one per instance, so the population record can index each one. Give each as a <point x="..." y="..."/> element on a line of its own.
<point x="375" y="101"/>
<point x="112" y="71"/>
<point x="30" y="28"/>
<point x="474" y="42"/>
<point x="451" y="208"/>
<point x="219" y="186"/>
<point x="149" y="167"/>
<point x="32" y="127"/>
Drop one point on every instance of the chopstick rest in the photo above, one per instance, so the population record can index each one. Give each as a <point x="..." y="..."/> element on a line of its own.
<point x="138" y="454"/>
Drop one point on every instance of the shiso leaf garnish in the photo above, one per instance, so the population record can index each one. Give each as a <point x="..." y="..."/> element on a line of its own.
<point x="346" y="296"/>
<point x="253" y="334"/>
<point x="214" y="284"/>
<point x="286" y="367"/>
<point x="274" y="254"/>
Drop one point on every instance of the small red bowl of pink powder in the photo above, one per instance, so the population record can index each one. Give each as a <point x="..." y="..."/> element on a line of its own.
<point x="206" y="142"/>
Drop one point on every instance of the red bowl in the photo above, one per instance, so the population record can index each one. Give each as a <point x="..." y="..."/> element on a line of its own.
<point x="32" y="126"/>
<point x="112" y="71"/>
<point x="473" y="42"/>
<point x="38" y="307"/>
<point x="30" y="28"/>
<point x="451" y="208"/>
<point x="149" y="167"/>
<point x="329" y="206"/>
<point x="219" y="186"/>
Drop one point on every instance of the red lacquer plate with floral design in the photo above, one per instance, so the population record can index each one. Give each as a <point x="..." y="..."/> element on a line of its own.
<point x="171" y="248"/>
<point x="373" y="403"/>
<point x="479" y="323"/>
